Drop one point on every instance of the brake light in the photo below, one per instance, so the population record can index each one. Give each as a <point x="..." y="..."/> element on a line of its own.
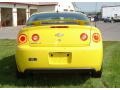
<point x="35" y="37"/>
<point x="22" y="38"/>
<point x="96" y="37"/>
<point x="83" y="36"/>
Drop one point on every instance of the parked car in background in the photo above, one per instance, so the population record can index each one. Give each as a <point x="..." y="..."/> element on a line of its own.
<point x="91" y="18"/>
<point x="108" y="19"/>
<point x="116" y="19"/>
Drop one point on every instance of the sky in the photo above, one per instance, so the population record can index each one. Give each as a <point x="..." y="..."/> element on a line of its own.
<point x="93" y="6"/>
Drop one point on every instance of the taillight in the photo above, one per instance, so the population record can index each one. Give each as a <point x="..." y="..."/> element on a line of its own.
<point x="22" y="38"/>
<point x="96" y="37"/>
<point x="35" y="37"/>
<point x="83" y="36"/>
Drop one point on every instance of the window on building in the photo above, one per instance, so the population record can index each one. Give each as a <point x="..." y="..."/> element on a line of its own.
<point x="65" y="9"/>
<point x="71" y="10"/>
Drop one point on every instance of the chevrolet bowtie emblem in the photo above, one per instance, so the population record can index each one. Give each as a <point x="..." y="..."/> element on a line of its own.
<point x="59" y="34"/>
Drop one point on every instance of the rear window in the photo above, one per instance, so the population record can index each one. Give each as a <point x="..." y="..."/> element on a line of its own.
<point x="58" y="18"/>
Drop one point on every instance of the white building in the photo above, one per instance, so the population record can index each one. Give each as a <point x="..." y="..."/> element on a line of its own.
<point x="65" y="7"/>
<point x="17" y="13"/>
<point x="110" y="11"/>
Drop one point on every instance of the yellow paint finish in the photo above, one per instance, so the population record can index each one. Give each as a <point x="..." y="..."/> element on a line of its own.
<point x="82" y="54"/>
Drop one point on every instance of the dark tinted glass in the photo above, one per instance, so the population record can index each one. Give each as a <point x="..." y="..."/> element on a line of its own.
<point x="58" y="18"/>
<point x="50" y="16"/>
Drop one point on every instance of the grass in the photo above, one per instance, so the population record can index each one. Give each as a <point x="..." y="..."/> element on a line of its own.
<point x="110" y="77"/>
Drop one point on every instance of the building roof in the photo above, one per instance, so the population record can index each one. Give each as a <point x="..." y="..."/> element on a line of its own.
<point x="33" y="3"/>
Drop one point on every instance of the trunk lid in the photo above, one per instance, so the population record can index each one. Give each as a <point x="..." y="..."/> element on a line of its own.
<point x="59" y="35"/>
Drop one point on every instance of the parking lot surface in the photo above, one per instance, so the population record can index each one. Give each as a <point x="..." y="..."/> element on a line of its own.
<point x="9" y="32"/>
<point x="110" y="31"/>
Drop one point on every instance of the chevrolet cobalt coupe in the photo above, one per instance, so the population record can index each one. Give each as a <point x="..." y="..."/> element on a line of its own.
<point x="59" y="41"/>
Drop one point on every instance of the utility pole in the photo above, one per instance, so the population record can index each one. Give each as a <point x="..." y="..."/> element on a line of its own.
<point x="95" y="12"/>
<point x="77" y="9"/>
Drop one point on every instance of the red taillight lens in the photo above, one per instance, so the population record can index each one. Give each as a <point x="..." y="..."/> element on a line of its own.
<point x="96" y="37"/>
<point x="35" y="37"/>
<point x="83" y="36"/>
<point x="22" y="38"/>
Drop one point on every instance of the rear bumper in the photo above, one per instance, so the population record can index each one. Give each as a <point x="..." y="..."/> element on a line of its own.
<point x="82" y="71"/>
<point x="88" y="57"/>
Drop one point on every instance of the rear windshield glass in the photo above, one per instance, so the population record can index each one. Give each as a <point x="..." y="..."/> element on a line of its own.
<point x="58" y="18"/>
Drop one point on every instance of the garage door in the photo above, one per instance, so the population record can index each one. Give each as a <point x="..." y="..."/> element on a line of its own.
<point x="6" y="16"/>
<point x="21" y="16"/>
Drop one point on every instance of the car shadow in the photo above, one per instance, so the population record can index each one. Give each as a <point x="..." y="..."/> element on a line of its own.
<point x="8" y="77"/>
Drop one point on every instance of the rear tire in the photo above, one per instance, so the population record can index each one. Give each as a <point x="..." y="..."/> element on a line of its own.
<point x="97" y="74"/>
<point x="20" y="74"/>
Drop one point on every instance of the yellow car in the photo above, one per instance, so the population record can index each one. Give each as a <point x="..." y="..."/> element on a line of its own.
<point x="59" y="41"/>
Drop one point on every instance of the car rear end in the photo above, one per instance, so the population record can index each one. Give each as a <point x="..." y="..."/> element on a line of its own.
<point x="59" y="47"/>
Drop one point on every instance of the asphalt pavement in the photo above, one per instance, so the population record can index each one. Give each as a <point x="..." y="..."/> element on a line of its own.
<point x="110" y="31"/>
<point x="9" y="32"/>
